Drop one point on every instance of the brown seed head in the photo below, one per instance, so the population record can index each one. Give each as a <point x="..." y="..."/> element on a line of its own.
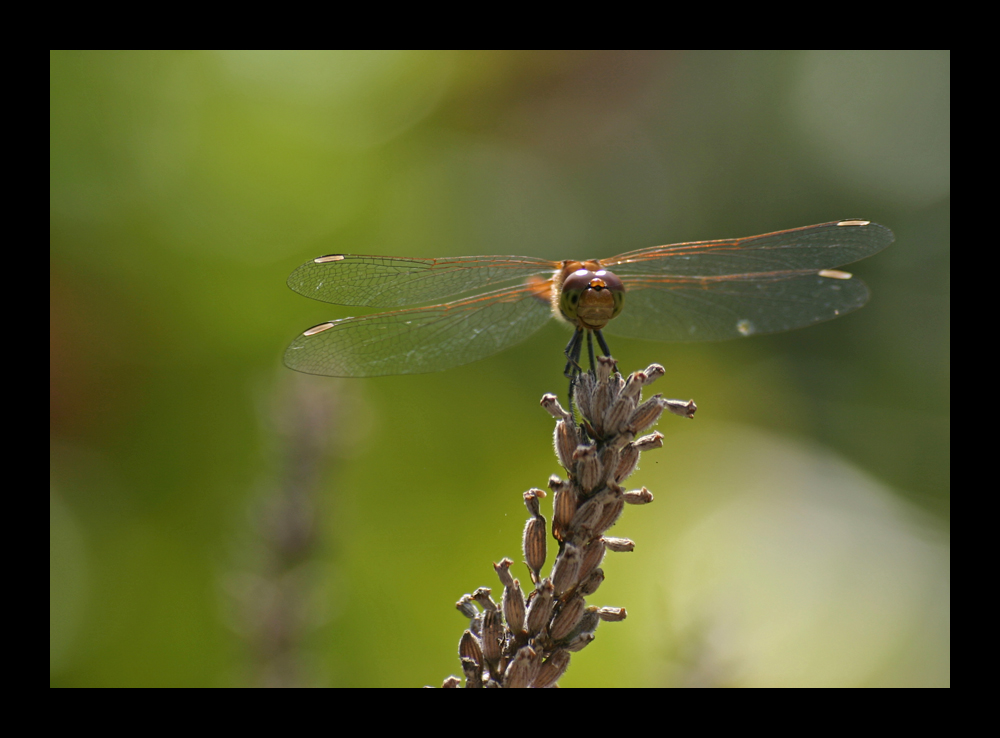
<point x="566" y="569"/>
<point x="533" y="545"/>
<point x="567" y="618"/>
<point x="552" y="669"/>
<point x="540" y="607"/>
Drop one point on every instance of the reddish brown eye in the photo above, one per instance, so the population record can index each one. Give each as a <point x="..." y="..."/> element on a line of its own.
<point x="573" y="289"/>
<point x="611" y="280"/>
<point x="578" y="281"/>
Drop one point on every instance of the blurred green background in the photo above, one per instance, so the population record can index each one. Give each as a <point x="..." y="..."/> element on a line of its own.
<point x="218" y="520"/>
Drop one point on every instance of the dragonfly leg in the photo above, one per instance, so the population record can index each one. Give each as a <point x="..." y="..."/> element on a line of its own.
<point x="572" y="370"/>
<point x="572" y="352"/>
<point x="604" y="344"/>
<point x="590" y="352"/>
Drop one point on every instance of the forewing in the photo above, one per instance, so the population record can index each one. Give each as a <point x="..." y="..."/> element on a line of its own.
<point x="420" y="340"/>
<point x="387" y="281"/>
<point x="714" y="309"/>
<point x="807" y="249"/>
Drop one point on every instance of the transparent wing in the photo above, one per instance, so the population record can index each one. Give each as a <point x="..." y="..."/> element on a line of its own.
<point x="714" y="309"/>
<point x="387" y="281"/>
<point x="420" y="340"/>
<point x="807" y="249"/>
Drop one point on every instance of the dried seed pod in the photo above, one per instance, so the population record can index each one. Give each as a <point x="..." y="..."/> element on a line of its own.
<point x="633" y="386"/>
<point x="619" y="545"/>
<point x="610" y="513"/>
<point x="566" y="569"/>
<point x="584" y="392"/>
<point x="540" y="608"/>
<point x="467" y="606"/>
<point x="639" y="496"/>
<point x="593" y="555"/>
<point x="579" y="642"/>
<point x="611" y="614"/>
<point x="493" y="637"/>
<point x="646" y="414"/>
<point x="533" y="545"/>
<point x="452" y="682"/>
<point x="563" y="508"/>
<point x="514" y="607"/>
<point x="608" y="456"/>
<point x="605" y="366"/>
<point x="473" y="674"/>
<point x="588" y="468"/>
<point x="566" y="441"/>
<point x="503" y="571"/>
<point x="589" y="621"/>
<point x="589" y="585"/>
<point x="482" y="596"/>
<point x="601" y="401"/>
<point x="653" y="372"/>
<point x="469" y="648"/>
<point x="551" y="403"/>
<point x="476" y="625"/>
<point x="567" y="618"/>
<point x="627" y="462"/>
<point x="522" y="669"/>
<point x="617" y="442"/>
<point x="552" y="669"/>
<point x="617" y="416"/>
<point x="684" y="409"/>
<point x="648" y="443"/>
<point x="587" y="515"/>
<point x="531" y="498"/>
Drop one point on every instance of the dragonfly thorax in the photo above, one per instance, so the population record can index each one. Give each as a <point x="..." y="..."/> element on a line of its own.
<point x="590" y="297"/>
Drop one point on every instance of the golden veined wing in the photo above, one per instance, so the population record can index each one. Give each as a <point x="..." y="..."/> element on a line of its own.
<point x="388" y="281"/>
<point x="807" y="249"/>
<point x="718" y="308"/>
<point x="420" y="340"/>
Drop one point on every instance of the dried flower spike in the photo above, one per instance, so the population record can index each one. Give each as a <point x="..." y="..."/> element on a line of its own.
<point x="527" y="641"/>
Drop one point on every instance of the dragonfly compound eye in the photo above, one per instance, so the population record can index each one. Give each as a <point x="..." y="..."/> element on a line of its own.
<point x="590" y="299"/>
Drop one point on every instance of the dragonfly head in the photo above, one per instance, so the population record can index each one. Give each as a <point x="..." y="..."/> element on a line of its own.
<point x="590" y="298"/>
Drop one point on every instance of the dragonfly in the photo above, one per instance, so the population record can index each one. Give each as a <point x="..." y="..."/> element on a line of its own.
<point x="696" y="291"/>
